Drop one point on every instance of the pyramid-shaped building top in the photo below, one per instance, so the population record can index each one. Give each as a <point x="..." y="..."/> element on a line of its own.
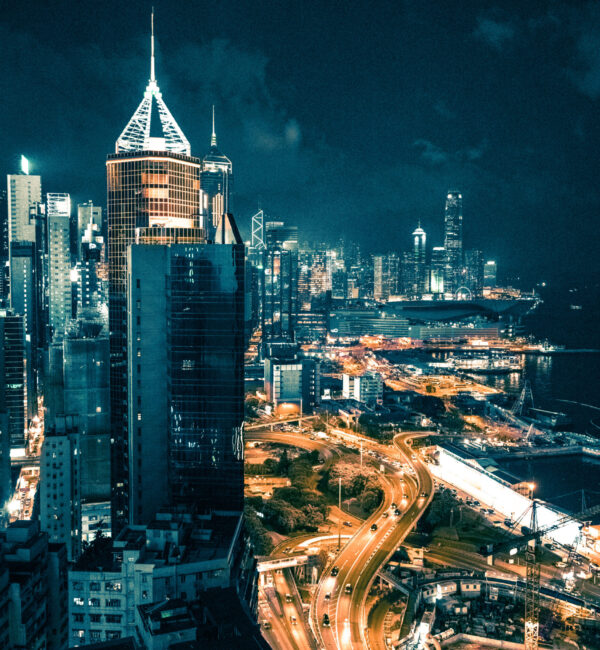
<point x="139" y="134"/>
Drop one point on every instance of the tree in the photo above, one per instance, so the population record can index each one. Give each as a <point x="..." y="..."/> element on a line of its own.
<point x="283" y="466"/>
<point x="369" y="500"/>
<point x="259" y="536"/>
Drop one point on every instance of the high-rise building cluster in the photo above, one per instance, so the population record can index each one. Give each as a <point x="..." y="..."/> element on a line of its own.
<point x="300" y="293"/>
<point x="123" y="333"/>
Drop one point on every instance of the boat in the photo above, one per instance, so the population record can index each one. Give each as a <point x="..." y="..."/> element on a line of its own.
<point x="486" y="362"/>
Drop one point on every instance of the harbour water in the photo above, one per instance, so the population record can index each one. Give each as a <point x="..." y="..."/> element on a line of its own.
<point x="563" y="382"/>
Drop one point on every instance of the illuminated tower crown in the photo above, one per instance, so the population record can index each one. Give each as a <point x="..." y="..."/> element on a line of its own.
<point x="136" y="135"/>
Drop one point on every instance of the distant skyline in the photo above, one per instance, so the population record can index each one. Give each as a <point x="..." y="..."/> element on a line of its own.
<point x="352" y="121"/>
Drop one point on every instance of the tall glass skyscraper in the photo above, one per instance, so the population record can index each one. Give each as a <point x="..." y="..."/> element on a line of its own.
<point x="153" y="186"/>
<point x="216" y="181"/>
<point x="280" y="286"/>
<point x="453" y="240"/>
<point x="176" y="319"/>
<point x="186" y="377"/>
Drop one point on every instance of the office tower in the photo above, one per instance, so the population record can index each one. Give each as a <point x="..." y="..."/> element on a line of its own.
<point x="185" y="366"/>
<point x="453" y="240"/>
<point x="77" y="393"/>
<point x="291" y="382"/>
<point x="91" y="271"/>
<point x="379" y="278"/>
<point x="60" y="498"/>
<point x="280" y="287"/>
<point x="490" y="274"/>
<point x="24" y="190"/>
<point x="366" y="388"/>
<point x="304" y="296"/>
<point x="153" y="194"/>
<point x="13" y="372"/>
<point x="23" y="284"/>
<point x="24" y="301"/>
<point x="409" y="279"/>
<point x="320" y="273"/>
<point x="87" y="213"/>
<point x="420" y="260"/>
<point x="216" y="181"/>
<point x="58" y="207"/>
<point x="339" y="283"/>
<point x="4" y="253"/>
<point x="37" y="587"/>
<point x="474" y="272"/>
<point x="438" y="269"/>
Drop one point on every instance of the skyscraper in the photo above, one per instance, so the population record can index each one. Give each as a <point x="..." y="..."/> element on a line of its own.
<point x="185" y="360"/>
<point x="23" y="191"/>
<point x="58" y="207"/>
<point x="438" y="267"/>
<point x="216" y="181"/>
<point x="4" y="254"/>
<point x="280" y="286"/>
<point x="473" y="277"/>
<point x="154" y="195"/>
<point x="13" y="374"/>
<point x="453" y="240"/>
<point x="87" y="213"/>
<point x="490" y="272"/>
<point x="420" y="261"/>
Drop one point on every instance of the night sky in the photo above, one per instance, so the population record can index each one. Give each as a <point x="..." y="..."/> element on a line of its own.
<point x="341" y="117"/>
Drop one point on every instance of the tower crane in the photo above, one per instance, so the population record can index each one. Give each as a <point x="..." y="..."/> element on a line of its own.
<point x="528" y="540"/>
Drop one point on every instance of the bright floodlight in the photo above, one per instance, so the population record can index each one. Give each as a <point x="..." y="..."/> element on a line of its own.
<point x="24" y="165"/>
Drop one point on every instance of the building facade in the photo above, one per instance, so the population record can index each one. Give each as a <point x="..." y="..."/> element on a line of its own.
<point x="24" y="190"/>
<point x="58" y="208"/>
<point x="185" y="367"/>
<point x="453" y="217"/>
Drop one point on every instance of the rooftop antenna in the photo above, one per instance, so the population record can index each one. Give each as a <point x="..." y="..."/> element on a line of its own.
<point x="213" y="137"/>
<point x="152" y="76"/>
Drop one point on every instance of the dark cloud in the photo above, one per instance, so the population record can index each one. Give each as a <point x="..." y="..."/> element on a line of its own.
<point x="496" y="33"/>
<point x="358" y="130"/>
<point x="586" y="72"/>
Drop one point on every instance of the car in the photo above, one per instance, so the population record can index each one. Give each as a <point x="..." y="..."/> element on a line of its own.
<point x="348" y="588"/>
<point x="335" y="571"/>
<point x="288" y="598"/>
<point x="490" y="511"/>
<point x="266" y="625"/>
<point x="293" y="620"/>
<point x="374" y="527"/>
<point x="397" y="512"/>
<point x="423" y="495"/>
<point x="393" y="506"/>
<point x="385" y="515"/>
<point x="348" y="523"/>
<point x="326" y="620"/>
<point x="327" y="596"/>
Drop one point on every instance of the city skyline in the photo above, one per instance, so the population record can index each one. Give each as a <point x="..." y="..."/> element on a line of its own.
<point x="307" y="160"/>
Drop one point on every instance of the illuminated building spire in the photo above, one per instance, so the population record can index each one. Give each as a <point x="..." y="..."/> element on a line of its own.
<point x="213" y="137"/>
<point x="152" y="75"/>
<point x="136" y="135"/>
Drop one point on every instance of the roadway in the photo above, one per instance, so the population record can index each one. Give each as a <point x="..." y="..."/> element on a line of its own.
<point x="367" y="551"/>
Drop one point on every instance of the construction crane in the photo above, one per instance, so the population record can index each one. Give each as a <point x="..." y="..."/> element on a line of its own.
<point x="531" y="534"/>
<point x="524" y="401"/>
